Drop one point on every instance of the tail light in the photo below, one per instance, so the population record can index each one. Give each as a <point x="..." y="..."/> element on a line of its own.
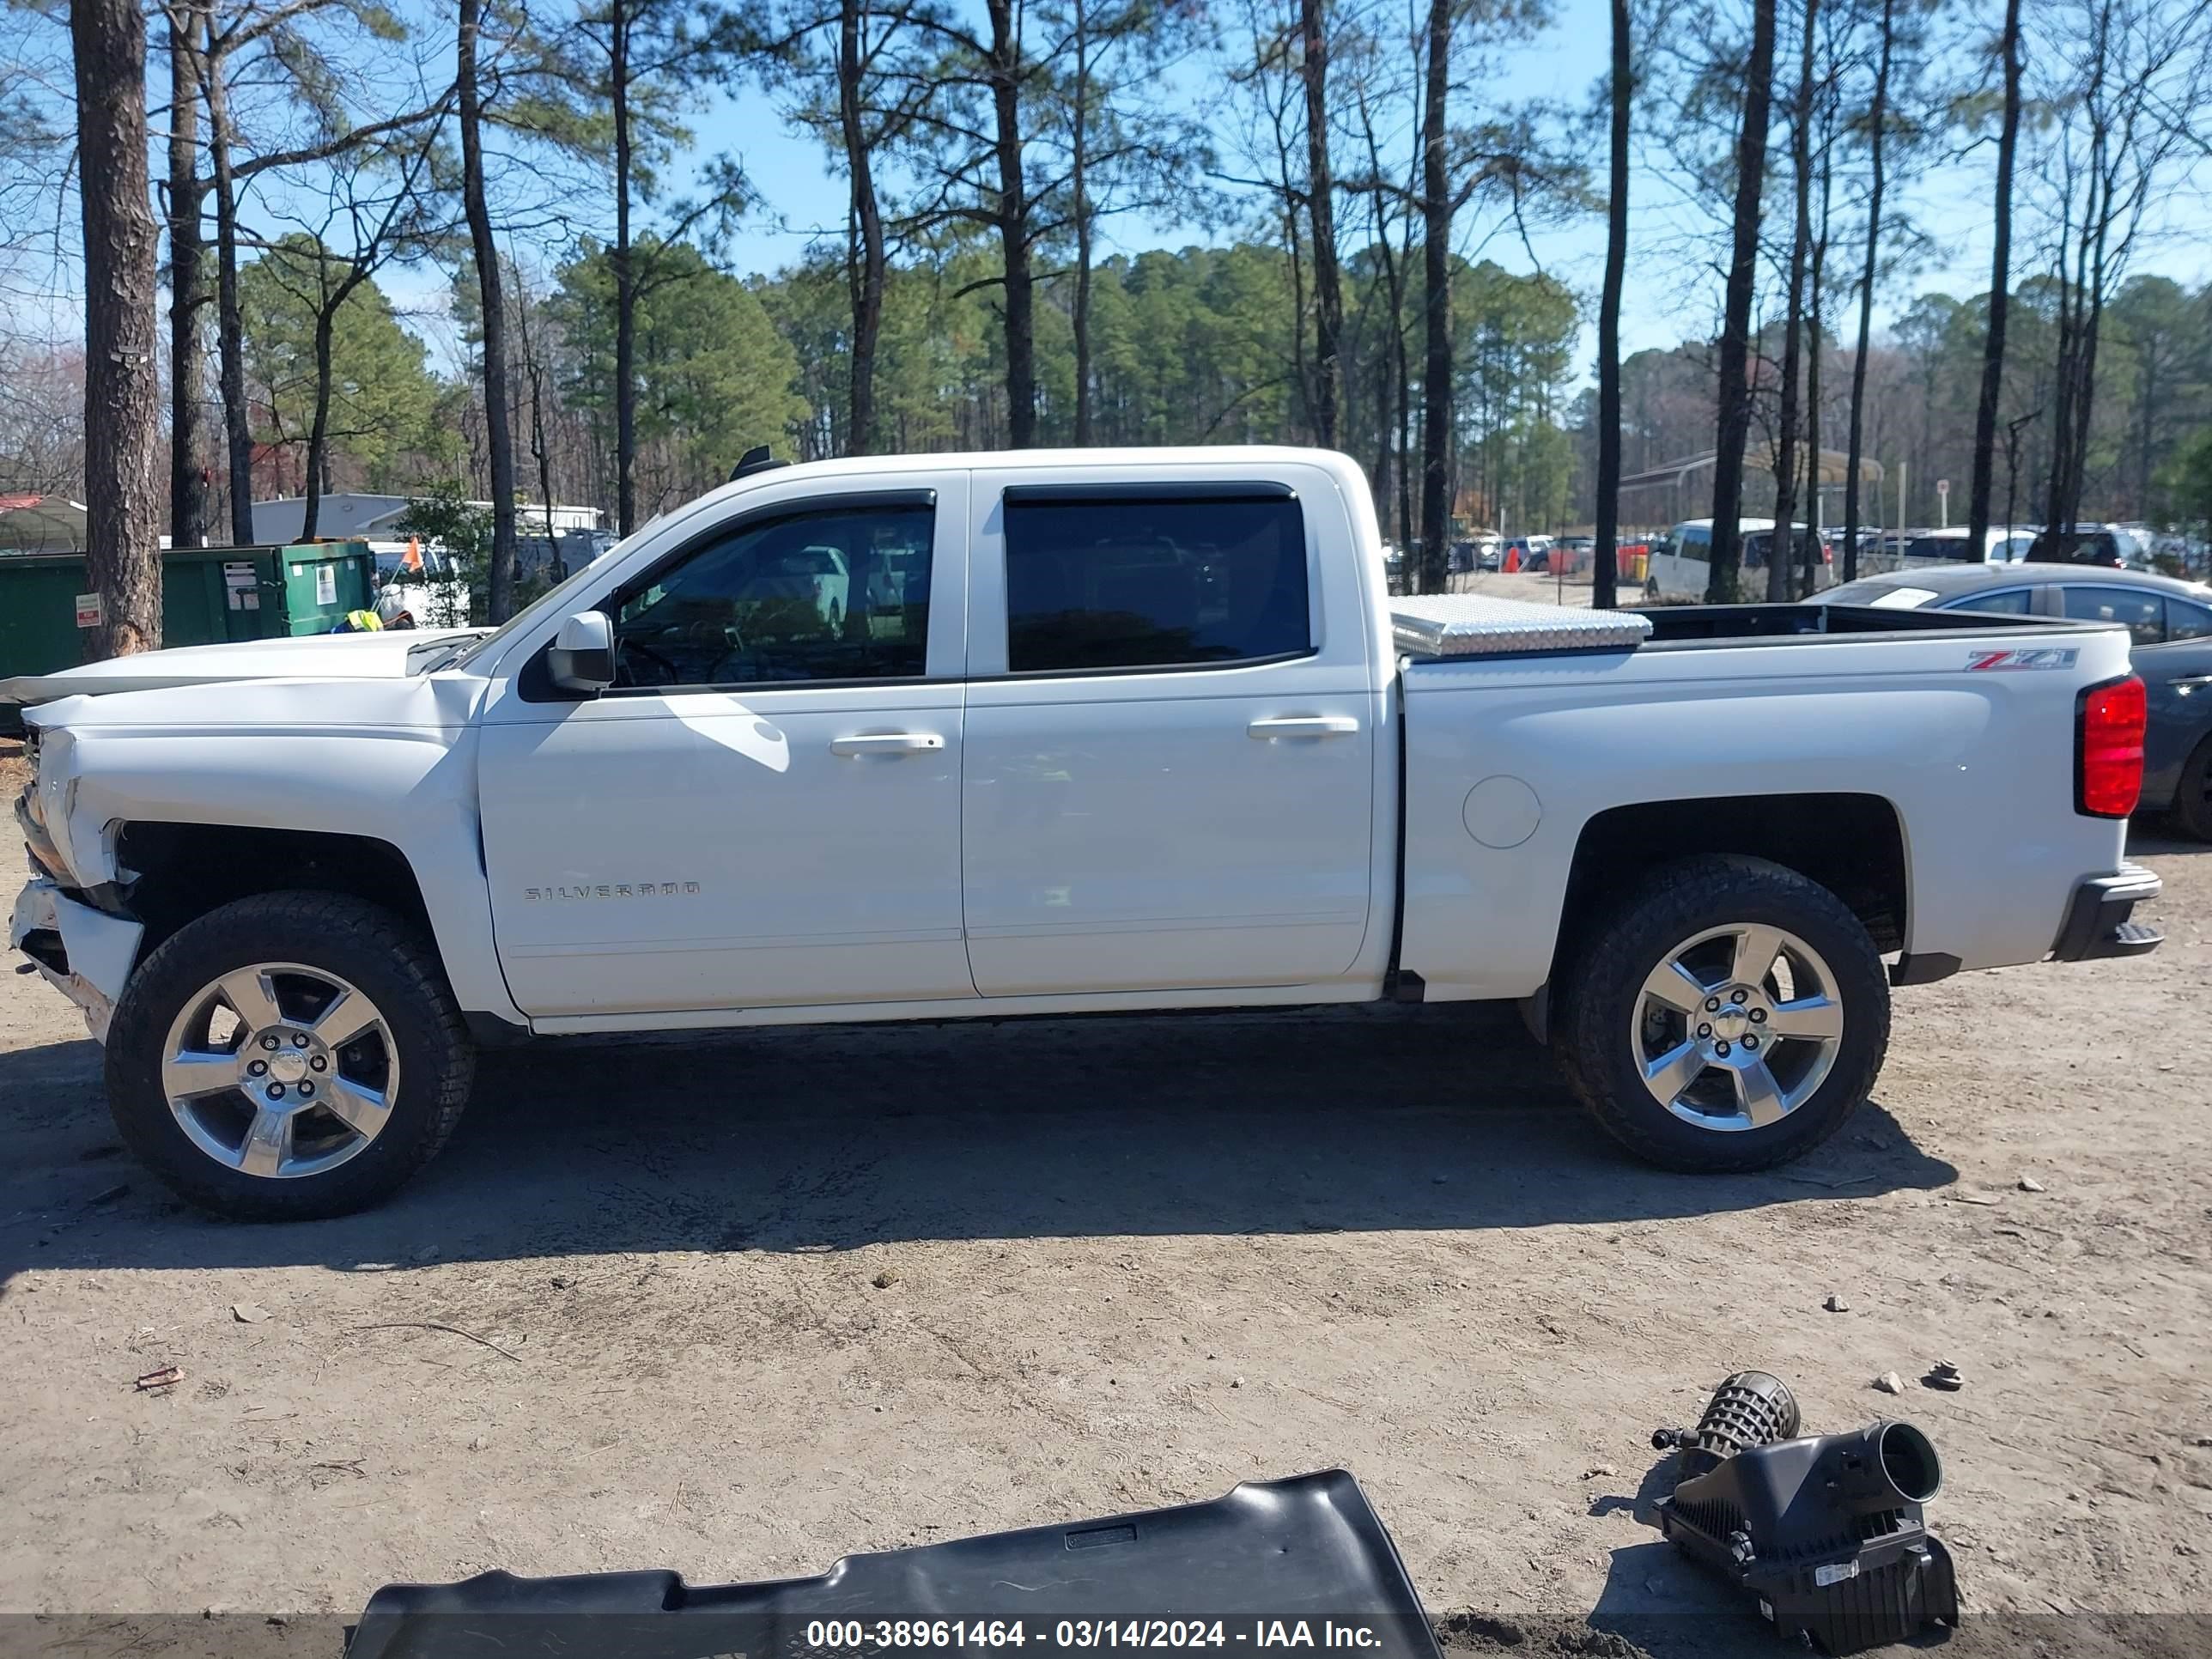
<point x="2108" y="748"/>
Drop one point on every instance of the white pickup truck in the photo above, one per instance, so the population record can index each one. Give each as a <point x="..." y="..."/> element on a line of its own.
<point x="1108" y="730"/>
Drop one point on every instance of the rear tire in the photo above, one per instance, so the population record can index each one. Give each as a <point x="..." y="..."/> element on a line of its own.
<point x="220" y="1083"/>
<point x="1784" y="1060"/>
<point x="2192" y="800"/>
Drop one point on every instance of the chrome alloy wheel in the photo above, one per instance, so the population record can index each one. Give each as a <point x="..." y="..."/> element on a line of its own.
<point x="280" y="1070"/>
<point x="1737" y="1026"/>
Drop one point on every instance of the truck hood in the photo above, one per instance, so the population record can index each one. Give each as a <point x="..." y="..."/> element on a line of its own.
<point x="312" y="656"/>
<point x="380" y="704"/>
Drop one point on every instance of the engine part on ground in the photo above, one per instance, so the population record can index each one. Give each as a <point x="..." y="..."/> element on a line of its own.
<point x="1828" y="1531"/>
<point x="1748" y="1409"/>
<point x="1269" y="1557"/>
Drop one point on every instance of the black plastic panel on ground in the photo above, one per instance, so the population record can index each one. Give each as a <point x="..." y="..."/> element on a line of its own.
<point x="1269" y="1564"/>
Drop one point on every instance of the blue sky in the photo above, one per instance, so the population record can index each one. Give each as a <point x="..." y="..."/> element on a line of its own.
<point x="1668" y="295"/>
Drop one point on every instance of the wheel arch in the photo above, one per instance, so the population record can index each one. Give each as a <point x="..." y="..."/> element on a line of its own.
<point x="1852" y="844"/>
<point x="180" y="872"/>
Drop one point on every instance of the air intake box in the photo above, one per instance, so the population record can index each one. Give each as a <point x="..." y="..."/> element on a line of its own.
<point x="1827" y="1530"/>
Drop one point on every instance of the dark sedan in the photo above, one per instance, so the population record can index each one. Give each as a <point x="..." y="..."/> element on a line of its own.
<point x="2171" y="621"/>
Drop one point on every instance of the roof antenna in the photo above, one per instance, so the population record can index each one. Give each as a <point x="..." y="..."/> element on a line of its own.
<point x="756" y="459"/>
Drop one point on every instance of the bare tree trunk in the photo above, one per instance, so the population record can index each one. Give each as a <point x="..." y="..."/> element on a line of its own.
<point x="1993" y="349"/>
<point x="498" y="434"/>
<point x="1080" y="320"/>
<point x="230" y="327"/>
<point x="1436" y="304"/>
<point x="1321" y="210"/>
<point x="1781" y="546"/>
<point x="1735" y="391"/>
<point x="1877" y="118"/>
<point x="1402" y="369"/>
<point x="187" y="374"/>
<point x="533" y="369"/>
<point x="1012" y="217"/>
<point x="1604" y="592"/>
<point x="121" y="380"/>
<point x="625" y="280"/>
<point x="866" y="272"/>
<point x="318" y="428"/>
<point x="1815" y="328"/>
<point x="2080" y="299"/>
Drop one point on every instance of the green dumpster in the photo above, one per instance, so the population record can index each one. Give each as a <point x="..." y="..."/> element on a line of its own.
<point x="209" y="596"/>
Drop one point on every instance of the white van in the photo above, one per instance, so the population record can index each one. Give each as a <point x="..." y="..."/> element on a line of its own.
<point x="1679" y="567"/>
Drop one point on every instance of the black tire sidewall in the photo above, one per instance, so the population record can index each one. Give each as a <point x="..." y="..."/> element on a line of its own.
<point x="1595" y="1047"/>
<point x="369" y="947"/>
<point x="2192" y="810"/>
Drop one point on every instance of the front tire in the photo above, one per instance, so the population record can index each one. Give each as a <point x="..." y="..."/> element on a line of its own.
<point x="287" y="1057"/>
<point x="1727" y="1015"/>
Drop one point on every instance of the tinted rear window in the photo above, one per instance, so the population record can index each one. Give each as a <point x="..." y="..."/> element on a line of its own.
<point x="1153" y="583"/>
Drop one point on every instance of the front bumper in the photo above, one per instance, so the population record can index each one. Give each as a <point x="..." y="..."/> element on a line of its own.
<point x="83" y="953"/>
<point x="2097" y="922"/>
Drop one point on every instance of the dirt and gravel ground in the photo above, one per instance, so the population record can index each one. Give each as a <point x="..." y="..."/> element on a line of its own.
<point x="738" y="1305"/>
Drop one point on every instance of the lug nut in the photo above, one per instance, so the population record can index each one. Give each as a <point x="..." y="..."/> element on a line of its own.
<point x="1721" y="1049"/>
<point x="257" y="1068"/>
<point x="1712" y="1004"/>
<point x="308" y="1089"/>
<point x="1759" y="1017"/>
<point x="269" y="1042"/>
<point x="1705" y="1030"/>
<point x="300" y="1038"/>
<point x="1739" y="996"/>
<point x="1750" y="1044"/>
<point x="319" y="1063"/>
<point x="275" y="1091"/>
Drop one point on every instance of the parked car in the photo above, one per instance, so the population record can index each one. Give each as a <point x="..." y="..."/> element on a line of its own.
<point x="2170" y="623"/>
<point x="2114" y="546"/>
<point x="1056" y="775"/>
<point x="1680" y="566"/>
<point x="1955" y="546"/>
<point x="1489" y="553"/>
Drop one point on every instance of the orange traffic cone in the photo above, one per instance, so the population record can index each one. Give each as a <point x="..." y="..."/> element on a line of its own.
<point x="1512" y="560"/>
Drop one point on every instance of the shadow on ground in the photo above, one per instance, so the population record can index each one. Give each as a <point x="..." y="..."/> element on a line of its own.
<point x="839" y="1137"/>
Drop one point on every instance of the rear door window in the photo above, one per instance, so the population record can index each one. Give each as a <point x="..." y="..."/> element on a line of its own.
<point x="1176" y="580"/>
<point x="2187" y="620"/>
<point x="2143" y="614"/>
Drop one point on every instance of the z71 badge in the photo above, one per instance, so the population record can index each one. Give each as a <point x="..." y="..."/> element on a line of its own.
<point x="2043" y="656"/>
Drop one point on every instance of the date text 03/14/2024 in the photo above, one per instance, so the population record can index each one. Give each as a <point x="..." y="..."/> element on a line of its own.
<point x="1089" y="1633"/>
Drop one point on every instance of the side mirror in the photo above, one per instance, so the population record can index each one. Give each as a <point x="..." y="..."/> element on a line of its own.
<point x="582" y="658"/>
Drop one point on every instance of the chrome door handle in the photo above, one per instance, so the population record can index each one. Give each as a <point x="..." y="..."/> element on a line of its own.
<point x="2190" y="683"/>
<point x="1304" y="726"/>
<point x="886" y="743"/>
